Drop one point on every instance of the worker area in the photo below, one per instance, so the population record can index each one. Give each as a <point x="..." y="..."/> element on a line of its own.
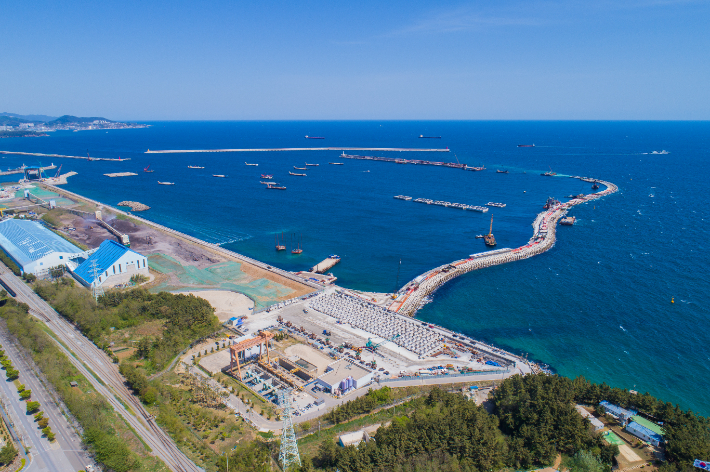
<point x="327" y="346"/>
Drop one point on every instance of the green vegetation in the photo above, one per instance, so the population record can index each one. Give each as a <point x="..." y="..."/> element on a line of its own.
<point x="8" y="453"/>
<point x="108" y="437"/>
<point x="185" y="317"/>
<point x="360" y="405"/>
<point x="10" y="263"/>
<point x="139" y="279"/>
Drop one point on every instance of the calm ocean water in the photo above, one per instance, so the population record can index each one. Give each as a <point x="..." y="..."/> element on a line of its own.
<point x="597" y="304"/>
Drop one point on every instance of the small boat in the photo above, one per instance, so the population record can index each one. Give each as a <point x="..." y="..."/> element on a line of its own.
<point x="526" y="145"/>
<point x="501" y="171"/>
<point x="250" y="164"/>
<point x="267" y="176"/>
<point x="475" y="169"/>
<point x="219" y="175"/>
<point x="366" y="171"/>
<point x="293" y="173"/>
<point x="569" y="221"/>
<point x="279" y="245"/>
<point x="479" y="236"/>
<point x="595" y="186"/>
<point x="421" y="136"/>
<point x="300" y="168"/>
<point x="147" y="169"/>
<point x="269" y="183"/>
<point x="336" y="163"/>
<point x="165" y="183"/>
<point x="312" y="165"/>
<point x="276" y="187"/>
<point x="314" y="137"/>
<point x="195" y="167"/>
<point x="297" y="250"/>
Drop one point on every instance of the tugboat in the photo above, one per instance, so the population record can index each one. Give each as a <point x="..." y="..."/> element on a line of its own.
<point x="489" y="239"/>
<point x="595" y="185"/>
<point x="551" y="202"/>
<point x="569" y="221"/>
<point x="501" y="171"/>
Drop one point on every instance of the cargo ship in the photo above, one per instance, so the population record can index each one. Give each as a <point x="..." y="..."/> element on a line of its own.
<point x="526" y="145"/>
<point x="250" y="164"/>
<point x="267" y="176"/>
<point x="276" y="187"/>
<point x="195" y="167"/>
<point x="421" y="136"/>
<point x="314" y="137"/>
<point x="312" y="165"/>
<point x="300" y="168"/>
<point x="293" y="173"/>
<point x="165" y="183"/>
<point x="402" y="197"/>
<point x="550" y="203"/>
<point x="475" y="169"/>
<point x="336" y="163"/>
<point x="219" y="175"/>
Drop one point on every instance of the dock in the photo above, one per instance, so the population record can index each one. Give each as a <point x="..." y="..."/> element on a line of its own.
<point x="181" y="151"/>
<point x="410" y="297"/>
<point x="325" y="265"/>
<point x="86" y="158"/>
<point x="21" y="170"/>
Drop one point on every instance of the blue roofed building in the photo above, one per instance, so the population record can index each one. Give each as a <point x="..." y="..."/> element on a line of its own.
<point x="645" y="430"/>
<point x="621" y="414"/>
<point x="114" y="264"/>
<point x="34" y="248"/>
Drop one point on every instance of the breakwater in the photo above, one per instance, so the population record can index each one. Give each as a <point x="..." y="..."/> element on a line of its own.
<point x="397" y="160"/>
<point x="413" y="294"/>
<point x="62" y="156"/>
<point x="181" y="151"/>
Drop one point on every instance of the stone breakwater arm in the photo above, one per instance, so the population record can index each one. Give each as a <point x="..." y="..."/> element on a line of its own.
<point x="412" y="294"/>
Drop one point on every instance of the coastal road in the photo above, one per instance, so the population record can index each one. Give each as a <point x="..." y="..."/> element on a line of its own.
<point x="65" y="452"/>
<point x="92" y="363"/>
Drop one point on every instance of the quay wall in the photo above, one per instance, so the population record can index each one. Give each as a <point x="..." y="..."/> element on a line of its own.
<point x="181" y="151"/>
<point x="87" y="158"/>
<point x="543" y="239"/>
<point x="214" y="247"/>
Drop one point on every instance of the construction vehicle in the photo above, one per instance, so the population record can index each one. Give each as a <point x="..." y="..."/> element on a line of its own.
<point x="56" y="176"/>
<point x="373" y="347"/>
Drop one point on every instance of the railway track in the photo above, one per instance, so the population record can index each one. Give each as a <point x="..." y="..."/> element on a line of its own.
<point x="92" y="363"/>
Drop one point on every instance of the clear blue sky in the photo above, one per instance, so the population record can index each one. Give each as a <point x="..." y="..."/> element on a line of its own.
<point x="528" y="59"/>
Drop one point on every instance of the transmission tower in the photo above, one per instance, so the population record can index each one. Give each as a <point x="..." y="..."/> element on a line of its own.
<point x="97" y="289"/>
<point x="289" y="449"/>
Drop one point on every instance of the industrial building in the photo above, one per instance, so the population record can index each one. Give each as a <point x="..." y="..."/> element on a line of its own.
<point x="353" y="439"/>
<point x="344" y="376"/>
<point x="113" y="264"/>
<point x="621" y="414"/>
<point x="34" y="248"/>
<point x="596" y="424"/>
<point x="645" y="430"/>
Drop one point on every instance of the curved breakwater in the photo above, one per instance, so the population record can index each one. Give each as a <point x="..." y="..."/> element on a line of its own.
<point x="412" y="295"/>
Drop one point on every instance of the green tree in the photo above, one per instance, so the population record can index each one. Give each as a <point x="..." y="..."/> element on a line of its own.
<point x="25" y="394"/>
<point x="8" y="453"/>
<point x="584" y="461"/>
<point x="32" y="407"/>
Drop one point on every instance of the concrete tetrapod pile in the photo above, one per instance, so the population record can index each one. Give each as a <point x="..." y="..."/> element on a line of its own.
<point x="378" y="321"/>
<point x="413" y="294"/>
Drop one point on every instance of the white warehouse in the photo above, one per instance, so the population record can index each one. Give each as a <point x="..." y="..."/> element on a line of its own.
<point x="33" y="247"/>
<point x="115" y="264"/>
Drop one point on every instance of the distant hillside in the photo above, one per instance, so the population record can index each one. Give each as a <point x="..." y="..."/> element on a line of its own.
<point x="28" y="118"/>
<point x="75" y="119"/>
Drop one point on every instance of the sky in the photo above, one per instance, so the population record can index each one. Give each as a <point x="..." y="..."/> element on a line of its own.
<point x="313" y="60"/>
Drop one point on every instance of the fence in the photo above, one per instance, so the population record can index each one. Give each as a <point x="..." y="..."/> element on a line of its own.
<point x="445" y="376"/>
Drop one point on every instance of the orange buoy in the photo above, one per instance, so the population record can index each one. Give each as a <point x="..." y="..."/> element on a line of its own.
<point x="672" y="299"/>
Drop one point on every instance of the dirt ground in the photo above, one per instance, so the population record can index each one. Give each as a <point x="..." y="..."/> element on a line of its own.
<point x="211" y="270"/>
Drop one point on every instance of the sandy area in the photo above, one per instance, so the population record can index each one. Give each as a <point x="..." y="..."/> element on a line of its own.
<point x="311" y="355"/>
<point x="226" y="304"/>
<point x="628" y="453"/>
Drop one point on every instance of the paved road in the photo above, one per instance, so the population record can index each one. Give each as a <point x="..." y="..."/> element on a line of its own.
<point x="66" y="452"/>
<point x="85" y="355"/>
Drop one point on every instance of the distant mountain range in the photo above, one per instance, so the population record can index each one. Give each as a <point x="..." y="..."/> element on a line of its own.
<point x="13" y="119"/>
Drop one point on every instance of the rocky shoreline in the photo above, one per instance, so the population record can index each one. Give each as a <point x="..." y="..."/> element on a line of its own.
<point x="135" y="206"/>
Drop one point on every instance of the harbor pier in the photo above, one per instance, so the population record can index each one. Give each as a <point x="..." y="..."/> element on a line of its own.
<point x="410" y="298"/>
<point x="326" y="264"/>
<point x="86" y="158"/>
<point x="181" y="151"/>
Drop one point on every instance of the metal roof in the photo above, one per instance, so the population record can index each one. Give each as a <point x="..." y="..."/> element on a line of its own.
<point x="108" y="253"/>
<point x="29" y="241"/>
<point x="648" y="424"/>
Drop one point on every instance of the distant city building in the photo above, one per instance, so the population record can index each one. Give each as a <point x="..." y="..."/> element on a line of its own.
<point x="26" y="125"/>
<point x="621" y="414"/>
<point x="33" y="247"/>
<point x="115" y="265"/>
<point x="645" y="430"/>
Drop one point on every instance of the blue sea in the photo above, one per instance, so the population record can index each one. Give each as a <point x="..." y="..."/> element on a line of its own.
<point x="621" y="298"/>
